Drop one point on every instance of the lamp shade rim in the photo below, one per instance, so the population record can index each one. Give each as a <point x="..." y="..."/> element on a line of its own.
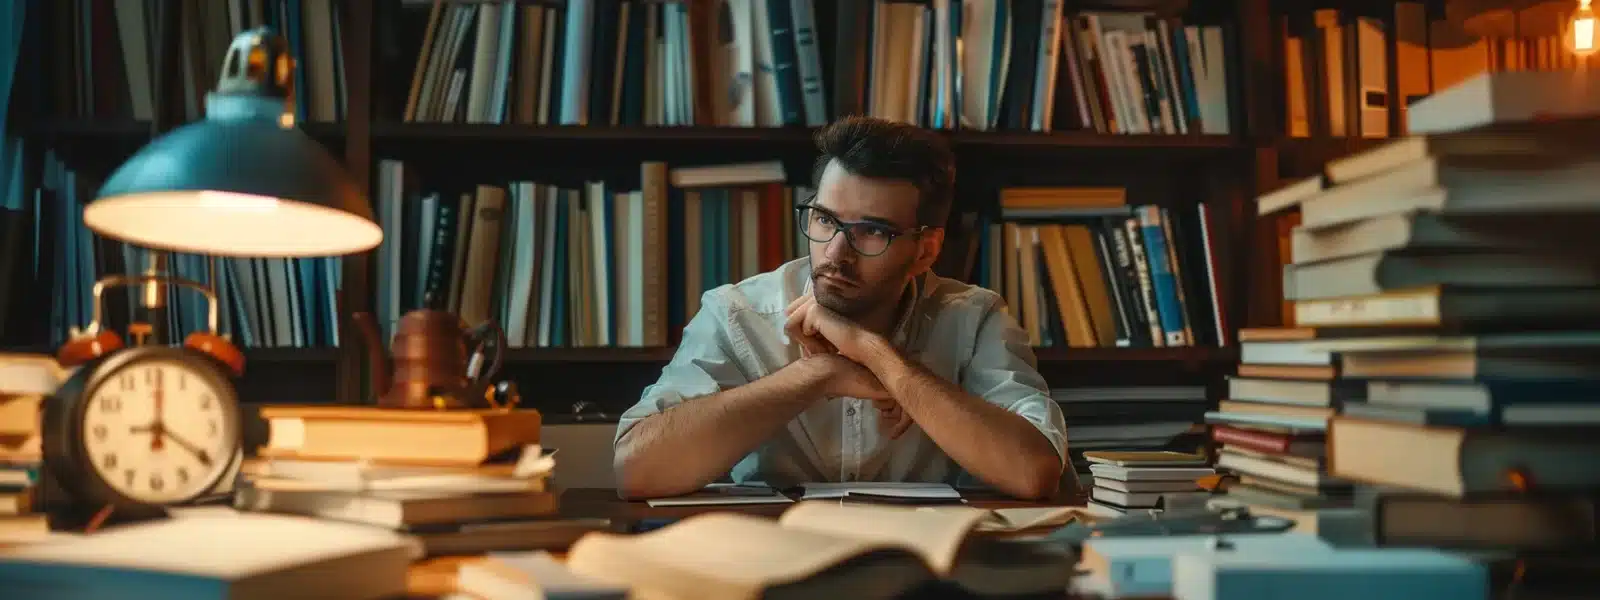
<point x="230" y="224"/>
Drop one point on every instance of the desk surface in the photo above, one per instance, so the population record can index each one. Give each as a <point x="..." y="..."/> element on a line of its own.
<point x="436" y="577"/>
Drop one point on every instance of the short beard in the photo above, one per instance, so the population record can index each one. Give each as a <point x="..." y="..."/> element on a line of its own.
<point x="848" y="307"/>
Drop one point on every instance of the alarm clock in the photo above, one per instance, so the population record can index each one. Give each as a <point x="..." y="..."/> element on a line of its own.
<point x="136" y="429"/>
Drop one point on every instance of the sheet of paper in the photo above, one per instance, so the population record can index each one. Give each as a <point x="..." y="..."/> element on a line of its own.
<point x="724" y="494"/>
<point x="896" y="489"/>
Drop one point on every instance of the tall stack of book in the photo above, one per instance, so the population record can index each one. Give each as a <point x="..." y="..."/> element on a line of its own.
<point x="478" y="483"/>
<point x="1455" y="275"/>
<point x="1271" y="427"/>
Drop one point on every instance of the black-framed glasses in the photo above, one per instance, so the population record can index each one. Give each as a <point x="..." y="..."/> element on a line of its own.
<point x="867" y="238"/>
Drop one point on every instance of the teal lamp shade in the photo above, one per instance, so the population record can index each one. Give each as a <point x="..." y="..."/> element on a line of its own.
<point x="244" y="181"/>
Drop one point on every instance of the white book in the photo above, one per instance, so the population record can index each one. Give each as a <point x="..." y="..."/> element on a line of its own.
<point x="1506" y="97"/>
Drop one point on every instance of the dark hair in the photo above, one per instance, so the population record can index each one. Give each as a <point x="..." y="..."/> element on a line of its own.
<point x="882" y="149"/>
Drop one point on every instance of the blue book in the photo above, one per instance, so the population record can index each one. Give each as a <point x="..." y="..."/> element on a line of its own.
<point x="1143" y="565"/>
<point x="1368" y="574"/>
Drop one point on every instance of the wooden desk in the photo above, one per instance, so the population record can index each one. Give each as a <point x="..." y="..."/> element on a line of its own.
<point x="436" y="577"/>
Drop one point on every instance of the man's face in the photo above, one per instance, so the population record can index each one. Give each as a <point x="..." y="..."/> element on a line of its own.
<point x="845" y="280"/>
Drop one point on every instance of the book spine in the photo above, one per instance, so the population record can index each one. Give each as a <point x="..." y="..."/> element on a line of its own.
<point x="1250" y="440"/>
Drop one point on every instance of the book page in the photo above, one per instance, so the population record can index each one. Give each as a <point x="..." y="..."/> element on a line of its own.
<point x="935" y="534"/>
<point x="713" y="556"/>
<point x="1023" y="518"/>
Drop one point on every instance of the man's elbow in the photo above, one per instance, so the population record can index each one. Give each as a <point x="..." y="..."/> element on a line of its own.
<point x="1041" y="479"/>
<point x="636" y="479"/>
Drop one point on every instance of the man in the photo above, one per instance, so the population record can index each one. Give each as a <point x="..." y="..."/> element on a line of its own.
<point x="857" y="363"/>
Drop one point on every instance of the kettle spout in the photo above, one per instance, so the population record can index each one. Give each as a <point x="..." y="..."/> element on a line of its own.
<point x="377" y="360"/>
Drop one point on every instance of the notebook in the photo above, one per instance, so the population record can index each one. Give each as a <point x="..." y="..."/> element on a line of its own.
<point x="724" y="494"/>
<point x="892" y="489"/>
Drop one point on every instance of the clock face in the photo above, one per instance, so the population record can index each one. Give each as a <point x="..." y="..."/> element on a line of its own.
<point x="160" y="431"/>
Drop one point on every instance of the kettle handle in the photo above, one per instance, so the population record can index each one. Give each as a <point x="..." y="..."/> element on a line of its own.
<point x="480" y="336"/>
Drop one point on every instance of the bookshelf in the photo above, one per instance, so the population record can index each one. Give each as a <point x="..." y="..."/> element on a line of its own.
<point x="1177" y="170"/>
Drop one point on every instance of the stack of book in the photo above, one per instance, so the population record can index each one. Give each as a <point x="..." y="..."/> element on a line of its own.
<point x="1271" y="428"/>
<point x="1454" y="273"/>
<point x="1133" y="481"/>
<point x="25" y="381"/>
<point x="461" y="482"/>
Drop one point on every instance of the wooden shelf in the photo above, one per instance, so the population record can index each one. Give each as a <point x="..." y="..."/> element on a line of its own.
<point x="1208" y="354"/>
<point x="251" y="355"/>
<point x="588" y="355"/>
<point x="664" y="354"/>
<point x="658" y="354"/>
<point x="779" y="136"/>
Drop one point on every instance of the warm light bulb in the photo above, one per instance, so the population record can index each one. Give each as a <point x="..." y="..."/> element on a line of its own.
<point x="1580" y="34"/>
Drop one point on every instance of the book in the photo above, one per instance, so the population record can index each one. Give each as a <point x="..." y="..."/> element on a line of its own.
<point x="204" y="553"/>
<point x="1150" y="458"/>
<point x="1382" y="574"/>
<point x="1124" y="566"/>
<point x="1506" y="97"/>
<point x="820" y="548"/>
<point x="392" y="436"/>
<point x="398" y="508"/>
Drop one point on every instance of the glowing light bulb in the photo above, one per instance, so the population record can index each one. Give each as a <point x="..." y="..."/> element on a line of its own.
<point x="1581" y="30"/>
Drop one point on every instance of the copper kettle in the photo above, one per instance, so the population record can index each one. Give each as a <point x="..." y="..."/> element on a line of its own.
<point x="431" y="365"/>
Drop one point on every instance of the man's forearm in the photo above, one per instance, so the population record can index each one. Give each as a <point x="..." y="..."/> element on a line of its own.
<point x="992" y="443"/>
<point x="685" y="447"/>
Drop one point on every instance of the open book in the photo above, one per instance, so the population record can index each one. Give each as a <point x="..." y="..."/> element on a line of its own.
<point x="818" y="548"/>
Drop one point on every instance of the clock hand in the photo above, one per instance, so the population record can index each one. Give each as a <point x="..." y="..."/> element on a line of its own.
<point x="193" y="448"/>
<point x="156" y="427"/>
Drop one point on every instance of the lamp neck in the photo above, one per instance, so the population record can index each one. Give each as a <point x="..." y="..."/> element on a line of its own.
<point x="223" y="106"/>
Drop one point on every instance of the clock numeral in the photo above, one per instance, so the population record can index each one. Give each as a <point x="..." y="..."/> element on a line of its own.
<point x="152" y="376"/>
<point x="110" y="404"/>
<point x="183" y="475"/>
<point x="156" y="482"/>
<point x="110" y="461"/>
<point x="129" y="474"/>
<point x="100" y="432"/>
<point x="205" y="402"/>
<point x="183" y="382"/>
<point x="127" y="382"/>
<point x="211" y="428"/>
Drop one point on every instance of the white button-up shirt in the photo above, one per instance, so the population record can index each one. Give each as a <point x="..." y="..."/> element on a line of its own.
<point x="958" y="331"/>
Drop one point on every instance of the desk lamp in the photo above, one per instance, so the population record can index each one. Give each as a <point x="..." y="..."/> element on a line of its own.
<point x="241" y="182"/>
